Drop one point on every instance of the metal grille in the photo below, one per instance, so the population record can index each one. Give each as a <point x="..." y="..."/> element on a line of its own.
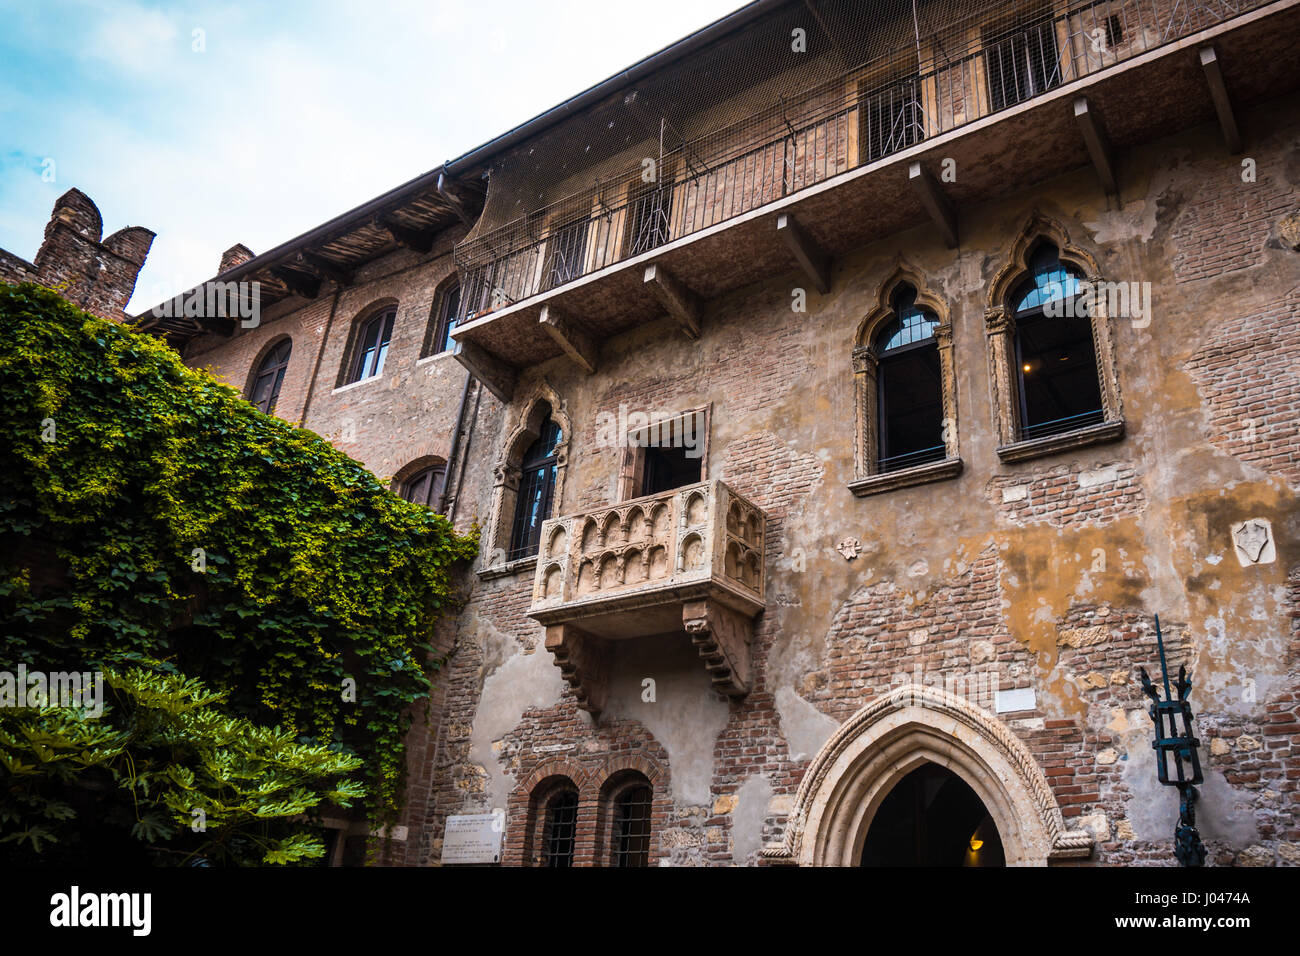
<point x="632" y="827"/>
<point x="745" y="121"/>
<point x="559" y="831"/>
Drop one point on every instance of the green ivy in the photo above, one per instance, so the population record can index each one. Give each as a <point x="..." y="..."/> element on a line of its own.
<point x="150" y="514"/>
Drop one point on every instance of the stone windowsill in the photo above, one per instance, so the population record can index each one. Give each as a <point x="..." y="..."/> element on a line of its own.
<point x="906" y="477"/>
<point x="1067" y="441"/>
<point x="509" y="569"/>
<point x="359" y="382"/>
<point x="434" y="357"/>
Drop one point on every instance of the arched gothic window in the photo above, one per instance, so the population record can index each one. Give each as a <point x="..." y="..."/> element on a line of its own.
<point x="909" y="384"/>
<point x="1056" y="365"/>
<point x="536" y="490"/>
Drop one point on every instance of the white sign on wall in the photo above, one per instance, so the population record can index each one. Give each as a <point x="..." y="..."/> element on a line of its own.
<point x="472" y="838"/>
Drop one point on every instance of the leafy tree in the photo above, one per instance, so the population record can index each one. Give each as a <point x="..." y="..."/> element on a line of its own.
<point x="167" y="766"/>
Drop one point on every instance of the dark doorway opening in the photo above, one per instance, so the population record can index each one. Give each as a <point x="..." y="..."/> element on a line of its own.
<point x="932" y="818"/>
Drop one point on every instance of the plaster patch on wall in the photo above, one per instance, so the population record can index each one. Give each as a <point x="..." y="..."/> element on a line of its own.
<point x="524" y="681"/>
<point x="686" y="716"/>
<point x="805" y="727"/>
<point x="747" y="819"/>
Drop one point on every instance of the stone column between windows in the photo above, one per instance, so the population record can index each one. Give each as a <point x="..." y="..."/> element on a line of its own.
<point x="999" y="328"/>
<point x="867" y="451"/>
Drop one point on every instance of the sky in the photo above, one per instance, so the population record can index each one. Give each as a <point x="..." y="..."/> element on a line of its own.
<point x="216" y="123"/>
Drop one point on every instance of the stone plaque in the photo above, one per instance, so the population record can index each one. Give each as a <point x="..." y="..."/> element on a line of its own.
<point x="473" y="838"/>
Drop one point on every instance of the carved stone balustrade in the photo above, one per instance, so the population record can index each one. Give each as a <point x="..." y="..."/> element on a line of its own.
<point x="687" y="561"/>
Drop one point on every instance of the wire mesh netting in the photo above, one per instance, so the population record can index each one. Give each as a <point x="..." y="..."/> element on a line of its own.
<point x="805" y="92"/>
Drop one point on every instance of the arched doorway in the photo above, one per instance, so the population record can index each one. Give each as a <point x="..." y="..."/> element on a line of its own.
<point x="905" y="730"/>
<point x="932" y="818"/>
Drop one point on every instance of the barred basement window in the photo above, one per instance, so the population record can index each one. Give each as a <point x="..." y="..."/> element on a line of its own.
<point x="910" y="387"/>
<point x="1056" y="365"/>
<point x="560" y="828"/>
<point x="536" y="491"/>
<point x="1021" y="63"/>
<point x="270" y="376"/>
<point x="631" y="842"/>
<point x="372" y="346"/>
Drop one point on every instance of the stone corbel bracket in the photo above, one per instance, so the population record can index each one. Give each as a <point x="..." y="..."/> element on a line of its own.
<point x="723" y="637"/>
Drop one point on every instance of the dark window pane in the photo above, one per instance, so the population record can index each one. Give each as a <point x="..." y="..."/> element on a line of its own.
<point x="911" y="408"/>
<point x="448" y="316"/>
<point x="372" y="346"/>
<point x="536" y="487"/>
<point x="1055" y="359"/>
<point x="424" y="487"/>
<point x="270" y="376"/>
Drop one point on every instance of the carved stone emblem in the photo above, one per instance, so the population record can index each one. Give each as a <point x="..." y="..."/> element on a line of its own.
<point x="850" y="548"/>
<point x="1254" y="542"/>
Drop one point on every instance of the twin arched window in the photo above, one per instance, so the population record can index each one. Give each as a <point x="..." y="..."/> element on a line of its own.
<point x="270" y="376"/>
<point x="536" y="490"/>
<point x="623" y="817"/>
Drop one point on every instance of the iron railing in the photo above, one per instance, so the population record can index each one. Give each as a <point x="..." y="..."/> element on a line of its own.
<point x="767" y="155"/>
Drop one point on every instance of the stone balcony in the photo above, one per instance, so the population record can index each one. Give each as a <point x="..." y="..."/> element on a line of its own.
<point x="687" y="560"/>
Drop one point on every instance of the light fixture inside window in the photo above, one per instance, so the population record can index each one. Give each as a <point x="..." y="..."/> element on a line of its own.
<point x="975" y="844"/>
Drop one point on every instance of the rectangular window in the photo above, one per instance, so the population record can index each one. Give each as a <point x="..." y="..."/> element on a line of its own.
<point x="669" y="452"/>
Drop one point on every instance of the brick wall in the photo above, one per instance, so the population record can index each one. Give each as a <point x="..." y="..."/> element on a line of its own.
<point x="98" y="276"/>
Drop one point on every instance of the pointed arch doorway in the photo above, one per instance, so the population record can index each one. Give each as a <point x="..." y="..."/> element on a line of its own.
<point x="932" y="818"/>
<point x="847" y="784"/>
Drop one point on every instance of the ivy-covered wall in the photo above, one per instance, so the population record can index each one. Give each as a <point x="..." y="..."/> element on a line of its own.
<point x="150" y="517"/>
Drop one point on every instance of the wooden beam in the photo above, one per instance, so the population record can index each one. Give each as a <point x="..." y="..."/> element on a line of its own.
<point x="811" y="259"/>
<point x="496" y="375"/>
<point x="682" y="304"/>
<point x="1098" y="143"/>
<point x="417" y="240"/>
<point x="299" y="283"/>
<point x="935" y="202"/>
<point x="1219" y="96"/>
<point x="570" y="335"/>
<point x="447" y="189"/>
<point x="324" y="268"/>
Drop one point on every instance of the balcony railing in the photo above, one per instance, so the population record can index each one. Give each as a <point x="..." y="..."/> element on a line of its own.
<point x="701" y="534"/>
<point x="687" y="560"/>
<point x="767" y="155"/>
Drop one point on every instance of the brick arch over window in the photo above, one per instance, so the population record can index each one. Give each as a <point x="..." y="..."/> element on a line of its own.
<point x="527" y="805"/>
<point x="506" y="475"/>
<point x="867" y="477"/>
<point x="621" y="774"/>
<point x="894" y="735"/>
<point x="1000" y="332"/>
<point x="359" y="322"/>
